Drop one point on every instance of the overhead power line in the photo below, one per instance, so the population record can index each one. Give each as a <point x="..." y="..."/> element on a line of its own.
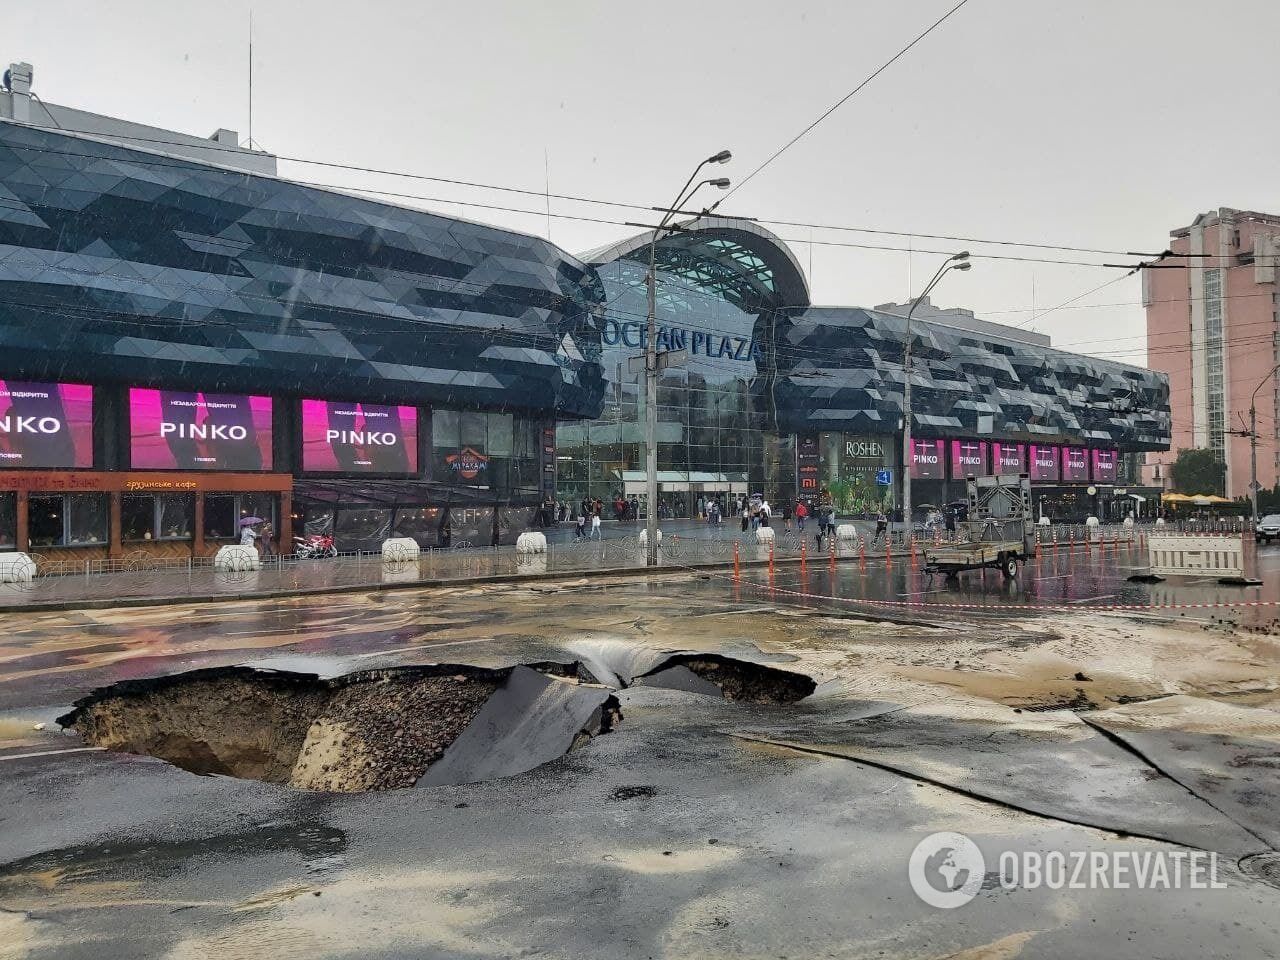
<point x="840" y="103"/>
<point x="164" y="160"/>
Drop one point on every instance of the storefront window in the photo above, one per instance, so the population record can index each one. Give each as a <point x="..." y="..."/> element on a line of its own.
<point x="444" y="428"/>
<point x="45" y="518"/>
<point x="8" y="521"/>
<point x="501" y="435"/>
<point x="261" y="505"/>
<point x="137" y="517"/>
<point x="220" y="518"/>
<point x="67" y="520"/>
<point x="87" y="518"/>
<point x="174" y="513"/>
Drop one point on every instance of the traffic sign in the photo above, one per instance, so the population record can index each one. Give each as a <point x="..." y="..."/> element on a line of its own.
<point x="884" y="477"/>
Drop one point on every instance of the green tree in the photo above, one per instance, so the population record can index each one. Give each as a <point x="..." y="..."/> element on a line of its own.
<point x="1198" y="471"/>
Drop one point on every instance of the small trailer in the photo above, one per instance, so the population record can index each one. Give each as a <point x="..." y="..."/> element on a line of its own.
<point x="999" y="531"/>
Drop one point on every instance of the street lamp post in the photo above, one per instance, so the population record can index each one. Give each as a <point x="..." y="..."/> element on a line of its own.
<point x="1253" y="443"/>
<point x="651" y="356"/>
<point x="958" y="262"/>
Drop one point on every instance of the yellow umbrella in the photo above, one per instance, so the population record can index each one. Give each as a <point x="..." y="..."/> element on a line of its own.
<point x="1175" y="498"/>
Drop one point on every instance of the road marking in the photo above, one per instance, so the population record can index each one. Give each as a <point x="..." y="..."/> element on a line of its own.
<point x="50" y="753"/>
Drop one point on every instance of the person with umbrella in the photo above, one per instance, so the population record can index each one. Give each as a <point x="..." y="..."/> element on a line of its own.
<point x="248" y="535"/>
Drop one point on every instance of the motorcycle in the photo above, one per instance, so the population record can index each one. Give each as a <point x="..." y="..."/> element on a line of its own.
<point x="318" y="546"/>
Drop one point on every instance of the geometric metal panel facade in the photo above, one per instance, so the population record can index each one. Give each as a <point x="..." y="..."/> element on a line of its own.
<point x="841" y="369"/>
<point x="123" y="265"/>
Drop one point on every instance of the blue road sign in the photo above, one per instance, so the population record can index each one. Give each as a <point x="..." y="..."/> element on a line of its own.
<point x="884" y="477"/>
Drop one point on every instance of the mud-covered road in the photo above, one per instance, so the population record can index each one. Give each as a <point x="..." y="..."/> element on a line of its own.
<point x="698" y="825"/>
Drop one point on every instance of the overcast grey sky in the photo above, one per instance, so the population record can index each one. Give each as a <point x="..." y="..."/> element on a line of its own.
<point x="1094" y="123"/>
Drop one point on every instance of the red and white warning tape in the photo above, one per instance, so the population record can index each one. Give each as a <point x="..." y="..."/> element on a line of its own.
<point x="990" y="607"/>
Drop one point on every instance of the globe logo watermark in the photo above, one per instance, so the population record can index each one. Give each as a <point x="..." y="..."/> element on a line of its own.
<point x="946" y="870"/>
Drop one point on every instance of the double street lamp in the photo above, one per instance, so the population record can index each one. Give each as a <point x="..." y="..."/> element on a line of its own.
<point x="958" y="262"/>
<point x="651" y="353"/>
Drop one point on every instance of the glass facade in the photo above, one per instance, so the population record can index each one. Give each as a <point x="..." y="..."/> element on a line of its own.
<point x="760" y="373"/>
<point x="716" y="302"/>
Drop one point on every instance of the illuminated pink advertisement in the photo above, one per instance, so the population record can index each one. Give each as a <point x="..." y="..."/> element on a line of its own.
<point x="926" y="460"/>
<point x="1044" y="463"/>
<point x="1009" y="459"/>
<point x="45" y="425"/>
<point x="343" y="437"/>
<point x="1104" y="464"/>
<point x="969" y="457"/>
<point x="1075" y="464"/>
<point x="171" y="430"/>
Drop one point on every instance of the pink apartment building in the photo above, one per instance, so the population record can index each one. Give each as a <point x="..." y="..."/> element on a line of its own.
<point x="1212" y="327"/>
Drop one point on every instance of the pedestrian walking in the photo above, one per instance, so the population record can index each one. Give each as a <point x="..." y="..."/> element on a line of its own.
<point x="268" y="540"/>
<point x="801" y="513"/>
<point x="746" y="517"/>
<point x="580" y="528"/>
<point x="882" y="526"/>
<point x="786" y="515"/>
<point x="595" y="521"/>
<point x="766" y="512"/>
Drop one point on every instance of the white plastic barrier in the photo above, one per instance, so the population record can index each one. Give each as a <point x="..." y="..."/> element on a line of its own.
<point x="1173" y="555"/>
<point x="644" y="538"/>
<point x="1127" y="522"/>
<point x="846" y="531"/>
<point x="16" y="568"/>
<point x="764" y="535"/>
<point x="1159" y="521"/>
<point x="233" y="558"/>
<point x="1044" y="521"/>
<point x="531" y="542"/>
<point x="1092" y="529"/>
<point x="527" y="563"/>
<point x="400" y="550"/>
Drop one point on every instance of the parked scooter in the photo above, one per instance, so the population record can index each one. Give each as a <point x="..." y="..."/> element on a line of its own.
<point x="318" y="546"/>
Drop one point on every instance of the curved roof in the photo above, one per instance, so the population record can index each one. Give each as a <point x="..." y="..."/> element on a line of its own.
<point x="745" y="250"/>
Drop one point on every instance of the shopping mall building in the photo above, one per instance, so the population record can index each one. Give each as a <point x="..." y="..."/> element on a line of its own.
<point x="187" y="339"/>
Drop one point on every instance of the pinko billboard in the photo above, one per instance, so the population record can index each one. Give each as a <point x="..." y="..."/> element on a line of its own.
<point x="169" y="430"/>
<point x="45" y="425"/>
<point x="1008" y="459"/>
<point x="926" y="460"/>
<point x="1075" y="465"/>
<point x="1044" y="463"/>
<point x="339" y="437"/>
<point x="1104" y="465"/>
<point x="969" y="457"/>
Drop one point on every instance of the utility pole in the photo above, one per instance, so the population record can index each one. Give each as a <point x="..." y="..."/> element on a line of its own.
<point x="651" y="356"/>
<point x="1253" y="443"/>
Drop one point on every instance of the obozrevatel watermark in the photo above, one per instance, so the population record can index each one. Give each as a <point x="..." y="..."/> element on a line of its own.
<point x="947" y="870"/>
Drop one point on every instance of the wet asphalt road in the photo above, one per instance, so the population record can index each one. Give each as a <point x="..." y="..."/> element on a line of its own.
<point x="744" y="830"/>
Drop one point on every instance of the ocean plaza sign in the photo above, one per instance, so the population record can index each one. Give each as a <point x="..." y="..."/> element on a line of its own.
<point x="702" y="343"/>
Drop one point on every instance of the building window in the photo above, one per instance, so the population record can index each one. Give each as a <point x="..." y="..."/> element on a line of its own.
<point x="221" y="520"/>
<point x="166" y="517"/>
<point x="1213" y="359"/>
<point x="8" y="520"/>
<point x="137" y="518"/>
<point x="87" y="519"/>
<point x="67" y="520"/>
<point x="45" y="519"/>
<point x="174" y="514"/>
<point x="223" y="512"/>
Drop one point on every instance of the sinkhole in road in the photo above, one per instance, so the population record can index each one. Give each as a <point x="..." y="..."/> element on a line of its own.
<point x="389" y="728"/>
<point x="372" y="730"/>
